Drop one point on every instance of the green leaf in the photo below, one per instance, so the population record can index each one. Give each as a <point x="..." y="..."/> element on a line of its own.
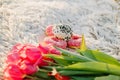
<point x="82" y="78"/>
<point x="80" y="73"/>
<point x="95" y="66"/>
<point x="88" y="54"/>
<point x="99" y="56"/>
<point x="83" y="46"/>
<point x="68" y="59"/>
<point x="110" y="77"/>
<point x="42" y="74"/>
<point x="75" y="55"/>
<point x="59" y="59"/>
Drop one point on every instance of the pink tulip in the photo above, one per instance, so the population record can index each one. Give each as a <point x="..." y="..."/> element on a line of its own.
<point x="13" y="72"/>
<point x="28" y="68"/>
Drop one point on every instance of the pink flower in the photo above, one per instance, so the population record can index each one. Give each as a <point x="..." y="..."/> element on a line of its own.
<point x="13" y="72"/>
<point x="13" y="58"/>
<point x="45" y="61"/>
<point x="32" y="54"/>
<point x="23" y="52"/>
<point x="44" y="49"/>
<point x="27" y="57"/>
<point x="24" y="60"/>
<point x="28" y="68"/>
<point x="48" y="49"/>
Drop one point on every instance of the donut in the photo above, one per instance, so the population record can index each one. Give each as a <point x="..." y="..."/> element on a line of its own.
<point x="75" y="41"/>
<point x="55" y="41"/>
<point x="49" y="31"/>
<point x="60" y="31"/>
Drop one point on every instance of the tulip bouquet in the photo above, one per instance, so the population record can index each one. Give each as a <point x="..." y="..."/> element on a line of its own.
<point x="53" y="62"/>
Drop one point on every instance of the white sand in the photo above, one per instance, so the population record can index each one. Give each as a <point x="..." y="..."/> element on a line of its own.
<point x="21" y="22"/>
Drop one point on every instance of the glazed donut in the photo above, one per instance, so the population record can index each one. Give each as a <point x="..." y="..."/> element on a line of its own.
<point x="62" y="36"/>
<point x="60" y="31"/>
<point x="75" y="41"/>
<point x="55" y="41"/>
<point x="49" y="31"/>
